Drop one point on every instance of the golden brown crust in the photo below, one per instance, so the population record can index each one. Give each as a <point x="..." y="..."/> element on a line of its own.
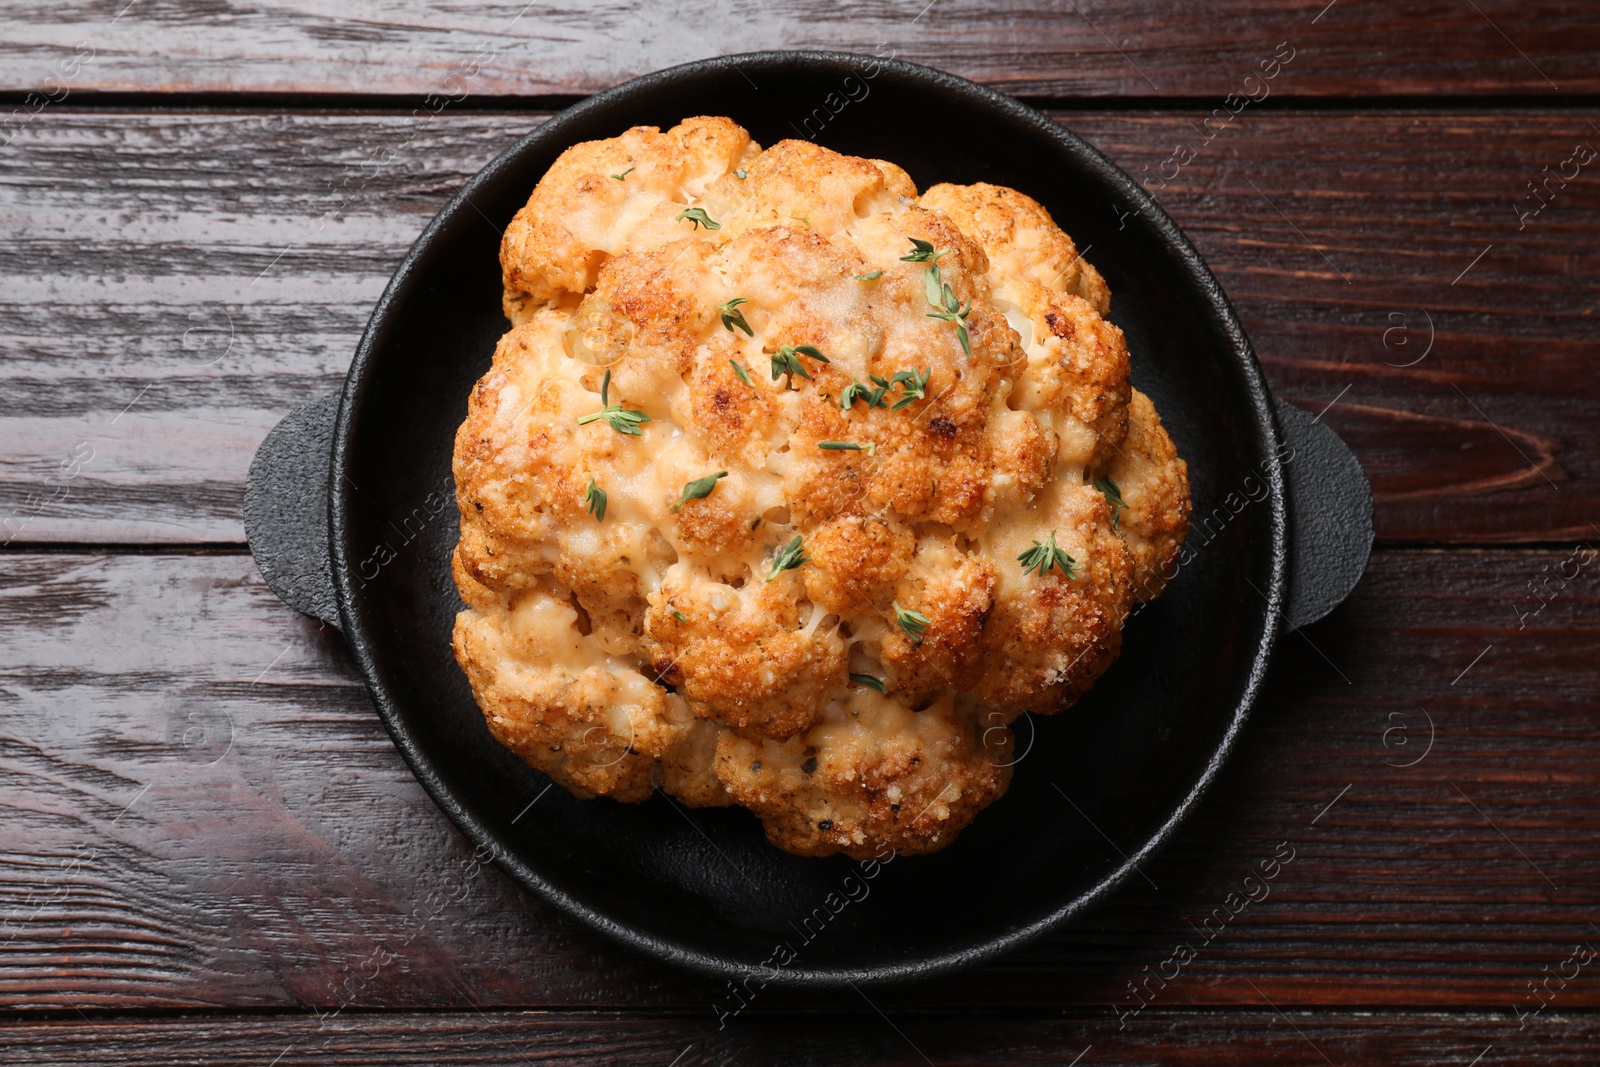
<point x="580" y="214"/>
<point x="1154" y="484"/>
<point x="748" y="657"/>
<point x="871" y="776"/>
<point x="1051" y="636"/>
<point x="664" y="646"/>
<point x="855" y="561"/>
<point x="954" y="591"/>
<point x="1019" y="234"/>
<point x="1078" y="371"/>
<point x="595" y="728"/>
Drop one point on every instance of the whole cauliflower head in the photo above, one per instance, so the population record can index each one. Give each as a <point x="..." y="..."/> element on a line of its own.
<point x="791" y="488"/>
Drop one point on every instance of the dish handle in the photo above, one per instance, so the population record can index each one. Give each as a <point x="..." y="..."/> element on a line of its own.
<point x="1330" y="517"/>
<point x="286" y="509"/>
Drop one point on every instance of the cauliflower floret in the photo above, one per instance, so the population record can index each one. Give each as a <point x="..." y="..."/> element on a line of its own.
<point x="855" y="560"/>
<point x="871" y="773"/>
<point x="750" y="492"/>
<point x="1076" y="372"/>
<point x="800" y="183"/>
<point x="749" y="657"/>
<point x="954" y="591"/>
<point x="592" y="203"/>
<point x="1154" y="485"/>
<point x="597" y="727"/>
<point x="1021" y="239"/>
<point x="689" y="769"/>
<point x="1051" y="633"/>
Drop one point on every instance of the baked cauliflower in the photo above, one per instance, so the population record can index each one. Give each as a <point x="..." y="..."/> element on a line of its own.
<point x="791" y="488"/>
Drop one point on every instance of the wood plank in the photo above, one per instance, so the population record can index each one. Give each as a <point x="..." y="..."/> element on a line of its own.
<point x="172" y="283"/>
<point x="203" y="811"/>
<point x="1144" y="48"/>
<point x="1180" y="1039"/>
<point x="1379" y="261"/>
<point x="230" y="284"/>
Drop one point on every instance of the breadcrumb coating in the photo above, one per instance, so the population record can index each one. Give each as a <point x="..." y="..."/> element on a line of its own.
<point x="744" y="491"/>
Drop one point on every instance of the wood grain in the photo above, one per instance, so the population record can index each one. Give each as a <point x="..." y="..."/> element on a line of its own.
<point x="212" y="851"/>
<point x="172" y="283"/>
<point x="1143" y="48"/>
<point x="1178" y="1039"/>
<point x="204" y="812"/>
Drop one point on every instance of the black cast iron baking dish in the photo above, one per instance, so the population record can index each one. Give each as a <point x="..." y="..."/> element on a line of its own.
<point x="351" y="516"/>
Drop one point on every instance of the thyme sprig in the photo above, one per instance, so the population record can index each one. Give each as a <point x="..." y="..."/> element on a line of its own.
<point x="697" y="216"/>
<point x="914" y="623"/>
<point x="594" y="498"/>
<point x="786" y="360"/>
<point x="1043" y="556"/>
<point x="1114" y="495"/>
<point x="733" y="317"/>
<point x="913" y="386"/>
<point x="923" y="252"/>
<point x="945" y="306"/>
<point x="788" y="558"/>
<point x="621" y="419"/>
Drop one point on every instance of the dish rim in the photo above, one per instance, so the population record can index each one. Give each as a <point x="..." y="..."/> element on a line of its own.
<point x="360" y="635"/>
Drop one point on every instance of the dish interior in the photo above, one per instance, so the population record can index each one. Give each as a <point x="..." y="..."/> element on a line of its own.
<point x="703" y="886"/>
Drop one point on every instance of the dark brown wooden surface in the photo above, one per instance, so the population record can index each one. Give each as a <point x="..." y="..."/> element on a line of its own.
<point x="216" y="818"/>
<point x="211" y="851"/>
<point x="172" y="282"/>
<point x="470" y="1038"/>
<point x="1045" y="48"/>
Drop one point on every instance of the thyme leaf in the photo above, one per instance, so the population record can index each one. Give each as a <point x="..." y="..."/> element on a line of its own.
<point x="594" y="498"/>
<point x="870" y="682"/>
<point x="914" y="623"/>
<point x="697" y="216"/>
<point x="698" y="489"/>
<point x="922" y="252"/>
<point x="1043" y="556"/>
<point x="786" y="360"/>
<point x="788" y="558"/>
<point x="619" y="418"/>
<point x="732" y="316"/>
<point x="1114" y="495"/>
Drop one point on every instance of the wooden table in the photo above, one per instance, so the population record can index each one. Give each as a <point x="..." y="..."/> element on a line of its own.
<point x="212" y="851"/>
